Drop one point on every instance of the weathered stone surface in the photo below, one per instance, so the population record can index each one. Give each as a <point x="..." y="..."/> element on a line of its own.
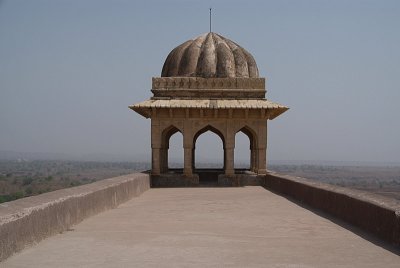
<point x="240" y="180"/>
<point x="209" y="227"/>
<point x="29" y="220"/>
<point x="376" y="214"/>
<point x="210" y="55"/>
<point x="174" y="180"/>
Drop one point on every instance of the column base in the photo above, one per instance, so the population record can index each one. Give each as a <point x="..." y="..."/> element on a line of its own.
<point x="155" y="173"/>
<point x="262" y="171"/>
<point x="230" y="172"/>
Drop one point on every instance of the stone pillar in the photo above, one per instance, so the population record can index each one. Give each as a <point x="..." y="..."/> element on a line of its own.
<point x="162" y="154"/>
<point x="188" y="150"/>
<point x="262" y="161"/>
<point x="164" y="159"/>
<point x="187" y="167"/>
<point x="193" y="158"/>
<point x="229" y="163"/>
<point x="261" y="150"/>
<point x="155" y="161"/>
<point x="155" y="147"/>
<point x="229" y="151"/>
<point x="253" y="159"/>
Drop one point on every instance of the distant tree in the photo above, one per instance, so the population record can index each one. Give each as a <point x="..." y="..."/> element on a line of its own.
<point x="5" y="198"/>
<point x="27" y="181"/>
<point x="28" y="191"/>
<point x="75" y="183"/>
<point x="17" y="195"/>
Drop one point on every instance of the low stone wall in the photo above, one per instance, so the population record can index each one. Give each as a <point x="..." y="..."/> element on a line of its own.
<point x="206" y="177"/>
<point x="174" y="180"/>
<point x="29" y="220"/>
<point x="239" y="180"/>
<point x="376" y="214"/>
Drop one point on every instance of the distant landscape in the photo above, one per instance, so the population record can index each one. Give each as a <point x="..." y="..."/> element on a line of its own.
<point x="382" y="180"/>
<point x="22" y="178"/>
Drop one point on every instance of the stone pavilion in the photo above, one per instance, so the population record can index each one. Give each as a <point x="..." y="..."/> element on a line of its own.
<point x="208" y="83"/>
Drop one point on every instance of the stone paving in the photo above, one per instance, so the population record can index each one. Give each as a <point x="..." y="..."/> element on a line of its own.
<point x="208" y="227"/>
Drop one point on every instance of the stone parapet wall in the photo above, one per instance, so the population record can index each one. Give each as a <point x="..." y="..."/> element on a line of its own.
<point x="375" y="214"/>
<point x="29" y="220"/>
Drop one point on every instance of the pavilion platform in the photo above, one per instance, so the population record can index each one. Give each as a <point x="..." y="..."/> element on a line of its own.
<point x="209" y="227"/>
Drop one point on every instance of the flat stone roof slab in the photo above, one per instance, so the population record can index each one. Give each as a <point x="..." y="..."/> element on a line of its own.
<point x="208" y="227"/>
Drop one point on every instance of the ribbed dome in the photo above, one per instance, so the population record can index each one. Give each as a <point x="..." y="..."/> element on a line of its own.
<point x="210" y="55"/>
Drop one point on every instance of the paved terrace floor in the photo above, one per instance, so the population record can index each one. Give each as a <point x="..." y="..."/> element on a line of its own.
<point x="203" y="227"/>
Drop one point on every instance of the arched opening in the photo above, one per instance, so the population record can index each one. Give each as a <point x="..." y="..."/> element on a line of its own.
<point x="242" y="152"/>
<point x="246" y="150"/>
<point x="172" y="138"/>
<point x="175" y="152"/>
<point x="208" y="154"/>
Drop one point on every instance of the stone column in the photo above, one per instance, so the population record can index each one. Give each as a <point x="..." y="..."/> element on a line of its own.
<point x="155" y="147"/>
<point x="193" y="158"/>
<point x="229" y="151"/>
<point x="188" y="150"/>
<point x="164" y="159"/>
<point x="229" y="163"/>
<point x="262" y="161"/>
<point x="187" y="167"/>
<point x="253" y="159"/>
<point x="262" y="148"/>
<point x="155" y="161"/>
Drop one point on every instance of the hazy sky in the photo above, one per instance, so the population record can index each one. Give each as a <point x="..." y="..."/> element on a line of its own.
<point x="69" y="70"/>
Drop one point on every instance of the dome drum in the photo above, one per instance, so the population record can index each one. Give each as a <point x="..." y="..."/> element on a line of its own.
<point x="198" y="87"/>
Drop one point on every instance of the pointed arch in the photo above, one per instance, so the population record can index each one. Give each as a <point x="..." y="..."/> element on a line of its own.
<point x="253" y="139"/>
<point x="167" y="133"/>
<point x="212" y="129"/>
<point x="202" y="131"/>
<point x="251" y="134"/>
<point x="242" y="152"/>
<point x="165" y="139"/>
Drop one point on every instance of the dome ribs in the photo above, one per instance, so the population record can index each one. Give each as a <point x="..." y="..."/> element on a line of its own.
<point x="190" y="57"/>
<point x="207" y="64"/>
<point x="225" y="58"/>
<point x="172" y="63"/>
<point x="241" y="68"/>
<point x="251" y="63"/>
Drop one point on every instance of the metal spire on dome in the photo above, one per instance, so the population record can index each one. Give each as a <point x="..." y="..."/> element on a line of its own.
<point x="210" y="19"/>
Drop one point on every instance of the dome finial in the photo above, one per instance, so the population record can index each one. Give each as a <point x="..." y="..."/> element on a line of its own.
<point x="210" y="19"/>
